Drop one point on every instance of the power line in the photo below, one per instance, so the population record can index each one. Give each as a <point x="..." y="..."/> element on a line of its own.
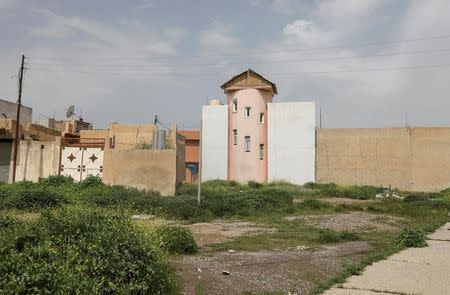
<point x="255" y="51"/>
<point x="183" y="65"/>
<point x="139" y="74"/>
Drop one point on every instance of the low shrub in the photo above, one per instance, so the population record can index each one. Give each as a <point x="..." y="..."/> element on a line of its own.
<point x="174" y="239"/>
<point x="31" y="199"/>
<point x="410" y="237"/>
<point x="248" y="202"/>
<point x="82" y="252"/>
<point x="91" y="181"/>
<point x="254" y="184"/>
<point x="57" y="180"/>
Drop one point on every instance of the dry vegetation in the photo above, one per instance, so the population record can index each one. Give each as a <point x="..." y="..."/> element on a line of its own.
<point x="59" y="235"/>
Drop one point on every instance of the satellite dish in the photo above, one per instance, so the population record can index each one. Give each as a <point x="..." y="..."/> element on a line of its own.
<point x="70" y="111"/>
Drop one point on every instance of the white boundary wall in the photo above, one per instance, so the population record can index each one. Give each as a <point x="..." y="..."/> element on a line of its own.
<point x="291" y="137"/>
<point x="214" y="142"/>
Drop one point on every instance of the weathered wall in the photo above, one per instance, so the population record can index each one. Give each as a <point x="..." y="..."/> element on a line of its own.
<point x="430" y="158"/>
<point x="214" y="142"/>
<point x="37" y="159"/>
<point x="142" y="169"/>
<point x="94" y="133"/>
<point x="5" y="159"/>
<point x="406" y="158"/>
<point x="10" y="110"/>
<point x="192" y="140"/>
<point x="291" y="150"/>
<point x="181" y="165"/>
<point x="192" y="152"/>
<point x="41" y="133"/>
<point x="129" y="136"/>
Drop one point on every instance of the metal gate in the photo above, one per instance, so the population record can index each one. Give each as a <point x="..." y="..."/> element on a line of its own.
<point x="79" y="161"/>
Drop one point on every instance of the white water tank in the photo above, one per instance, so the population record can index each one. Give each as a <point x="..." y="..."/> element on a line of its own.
<point x="215" y="102"/>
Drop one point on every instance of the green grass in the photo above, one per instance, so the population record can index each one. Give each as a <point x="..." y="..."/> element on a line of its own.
<point x="25" y="208"/>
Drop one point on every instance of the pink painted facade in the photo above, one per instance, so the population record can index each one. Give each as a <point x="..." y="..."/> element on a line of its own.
<point x="247" y="161"/>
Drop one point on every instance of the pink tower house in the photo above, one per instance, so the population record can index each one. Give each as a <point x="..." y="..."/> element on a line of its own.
<point x="247" y="97"/>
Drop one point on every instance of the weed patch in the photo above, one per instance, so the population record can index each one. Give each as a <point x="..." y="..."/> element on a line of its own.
<point x="82" y="252"/>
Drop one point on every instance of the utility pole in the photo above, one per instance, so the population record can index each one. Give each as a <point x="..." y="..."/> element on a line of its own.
<point x="19" y="104"/>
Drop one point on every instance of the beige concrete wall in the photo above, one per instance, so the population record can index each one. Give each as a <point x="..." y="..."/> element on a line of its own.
<point x="41" y="133"/>
<point x="430" y="158"/>
<point x="406" y="158"/>
<point x="94" y="133"/>
<point x="37" y="159"/>
<point x="129" y="136"/>
<point x="142" y="169"/>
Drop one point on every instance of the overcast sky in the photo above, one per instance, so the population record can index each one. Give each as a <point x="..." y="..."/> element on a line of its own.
<point x="366" y="63"/>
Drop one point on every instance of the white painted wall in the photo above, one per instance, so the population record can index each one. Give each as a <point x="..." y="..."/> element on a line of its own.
<point x="214" y="142"/>
<point x="291" y="136"/>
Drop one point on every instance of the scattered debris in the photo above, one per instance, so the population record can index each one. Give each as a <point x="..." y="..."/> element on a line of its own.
<point x="388" y="194"/>
<point x="302" y="248"/>
<point x="199" y="269"/>
<point x="225" y="272"/>
<point x="231" y="251"/>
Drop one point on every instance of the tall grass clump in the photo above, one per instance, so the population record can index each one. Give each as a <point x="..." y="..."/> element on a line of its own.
<point x="173" y="239"/>
<point x="352" y="191"/>
<point x="410" y="237"/>
<point x="80" y="252"/>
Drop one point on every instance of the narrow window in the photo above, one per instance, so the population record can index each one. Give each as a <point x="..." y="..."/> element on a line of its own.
<point x="235" y="105"/>
<point x="234" y="136"/>
<point x="247" y="112"/>
<point x="261" y="118"/>
<point x="261" y="152"/>
<point x="247" y="143"/>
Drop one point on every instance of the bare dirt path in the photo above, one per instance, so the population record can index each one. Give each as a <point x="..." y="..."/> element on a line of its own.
<point x="219" y="231"/>
<point x="351" y="221"/>
<point x="286" y="271"/>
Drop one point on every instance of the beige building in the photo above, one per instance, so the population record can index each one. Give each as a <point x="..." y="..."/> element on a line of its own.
<point x="130" y="157"/>
<point x="121" y="154"/>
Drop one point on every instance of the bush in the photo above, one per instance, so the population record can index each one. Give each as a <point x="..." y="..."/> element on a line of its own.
<point x="91" y="181"/>
<point x="79" y="252"/>
<point x="254" y="184"/>
<point x="31" y="199"/>
<point x="174" y="239"/>
<point x="57" y="180"/>
<point x="248" y="202"/>
<point x="410" y="237"/>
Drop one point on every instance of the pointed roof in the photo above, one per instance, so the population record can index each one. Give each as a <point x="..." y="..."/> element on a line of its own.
<point x="249" y="79"/>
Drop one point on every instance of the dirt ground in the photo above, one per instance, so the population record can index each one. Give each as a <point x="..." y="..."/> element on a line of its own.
<point x="219" y="231"/>
<point x="286" y="271"/>
<point x="351" y="221"/>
